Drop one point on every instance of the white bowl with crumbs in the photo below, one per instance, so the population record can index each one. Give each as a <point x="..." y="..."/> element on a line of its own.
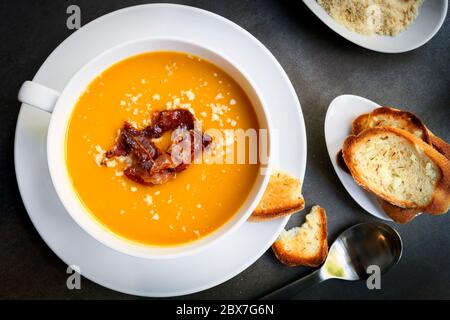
<point x="389" y="26"/>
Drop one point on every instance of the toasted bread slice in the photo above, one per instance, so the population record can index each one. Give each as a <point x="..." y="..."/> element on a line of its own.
<point x="400" y="168"/>
<point x="385" y="116"/>
<point x="306" y="245"/>
<point x="440" y="145"/>
<point x="399" y="215"/>
<point x="390" y="117"/>
<point x="360" y="123"/>
<point x="282" y="197"/>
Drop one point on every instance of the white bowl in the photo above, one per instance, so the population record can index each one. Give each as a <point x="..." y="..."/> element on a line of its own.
<point x="428" y="22"/>
<point x="61" y="106"/>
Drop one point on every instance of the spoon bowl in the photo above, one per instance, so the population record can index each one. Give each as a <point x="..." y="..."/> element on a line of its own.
<point x="363" y="246"/>
<point x="360" y="247"/>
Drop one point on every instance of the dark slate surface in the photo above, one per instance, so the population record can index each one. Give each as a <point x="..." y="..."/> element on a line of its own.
<point x="321" y="65"/>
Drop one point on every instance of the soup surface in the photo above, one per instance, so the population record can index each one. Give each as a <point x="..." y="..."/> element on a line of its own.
<point x="201" y="198"/>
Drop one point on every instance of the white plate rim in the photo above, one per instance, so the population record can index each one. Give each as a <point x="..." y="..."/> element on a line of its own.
<point x="301" y="127"/>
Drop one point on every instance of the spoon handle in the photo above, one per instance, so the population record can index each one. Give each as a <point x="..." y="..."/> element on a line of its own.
<point x="295" y="287"/>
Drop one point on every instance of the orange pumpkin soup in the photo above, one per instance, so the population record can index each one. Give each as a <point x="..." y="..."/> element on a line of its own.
<point x="201" y="198"/>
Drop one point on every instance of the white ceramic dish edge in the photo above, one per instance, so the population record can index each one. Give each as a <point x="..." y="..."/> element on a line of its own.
<point x="340" y="114"/>
<point x="24" y="187"/>
<point x="406" y="41"/>
<point x="60" y="119"/>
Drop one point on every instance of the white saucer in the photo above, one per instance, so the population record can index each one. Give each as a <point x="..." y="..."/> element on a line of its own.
<point x="427" y="24"/>
<point x="338" y="123"/>
<point x="226" y="258"/>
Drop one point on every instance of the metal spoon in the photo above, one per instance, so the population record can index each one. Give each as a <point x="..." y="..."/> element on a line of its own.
<point x="357" y="248"/>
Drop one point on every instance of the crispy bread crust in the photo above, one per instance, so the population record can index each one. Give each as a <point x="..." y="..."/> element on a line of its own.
<point x="399" y="215"/>
<point x="291" y="259"/>
<point x="274" y="214"/>
<point x="366" y="121"/>
<point x="440" y="145"/>
<point x="281" y="198"/>
<point x="359" y="124"/>
<point x="440" y="200"/>
<point x="412" y="122"/>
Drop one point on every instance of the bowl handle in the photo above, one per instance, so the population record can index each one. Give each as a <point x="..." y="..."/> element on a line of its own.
<point x="38" y="96"/>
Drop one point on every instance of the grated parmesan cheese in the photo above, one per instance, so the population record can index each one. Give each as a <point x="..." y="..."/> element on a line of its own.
<point x="369" y="17"/>
<point x="189" y="94"/>
<point x="148" y="200"/>
<point x="99" y="157"/>
<point x="111" y="163"/>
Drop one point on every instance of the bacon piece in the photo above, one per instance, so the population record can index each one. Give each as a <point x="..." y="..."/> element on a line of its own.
<point x="163" y="162"/>
<point x="143" y="150"/>
<point x="149" y="164"/>
<point x="140" y="176"/>
<point x="120" y="149"/>
<point x="192" y="139"/>
<point x="169" y="120"/>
